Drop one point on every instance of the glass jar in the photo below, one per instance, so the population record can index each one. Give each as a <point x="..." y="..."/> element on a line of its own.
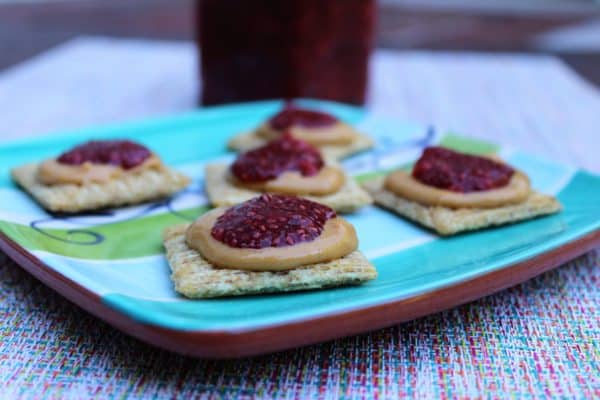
<point x="265" y="49"/>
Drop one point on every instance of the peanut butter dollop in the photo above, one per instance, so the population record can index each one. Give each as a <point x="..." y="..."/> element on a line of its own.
<point x="51" y="172"/>
<point x="337" y="240"/>
<point x="404" y="185"/>
<point x="338" y="133"/>
<point x="327" y="181"/>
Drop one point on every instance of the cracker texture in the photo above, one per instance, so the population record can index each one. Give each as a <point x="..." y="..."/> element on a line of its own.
<point x="195" y="277"/>
<point x="221" y="192"/>
<point x="448" y="221"/>
<point x="127" y="189"/>
<point x="250" y="140"/>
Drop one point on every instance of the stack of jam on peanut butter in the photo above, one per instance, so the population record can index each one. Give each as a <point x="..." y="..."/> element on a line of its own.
<point x="462" y="173"/>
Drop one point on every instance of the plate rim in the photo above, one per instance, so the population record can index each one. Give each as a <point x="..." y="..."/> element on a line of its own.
<point x="235" y="343"/>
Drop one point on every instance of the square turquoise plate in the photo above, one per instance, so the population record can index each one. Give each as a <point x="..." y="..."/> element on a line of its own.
<point x="111" y="262"/>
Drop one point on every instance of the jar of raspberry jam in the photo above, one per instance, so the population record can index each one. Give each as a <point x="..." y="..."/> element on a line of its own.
<point x="266" y="49"/>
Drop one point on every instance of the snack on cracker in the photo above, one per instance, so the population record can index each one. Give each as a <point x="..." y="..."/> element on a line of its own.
<point x="288" y="166"/>
<point x="272" y="243"/>
<point x="99" y="174"/>
<point x="451" y="192"/>
<point x="334" y="138"/>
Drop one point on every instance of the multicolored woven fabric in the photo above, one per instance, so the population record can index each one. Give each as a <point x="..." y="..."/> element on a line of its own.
<point x="536" y="340"/>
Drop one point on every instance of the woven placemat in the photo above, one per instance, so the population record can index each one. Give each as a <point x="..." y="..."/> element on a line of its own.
<point x="537" y="339"/>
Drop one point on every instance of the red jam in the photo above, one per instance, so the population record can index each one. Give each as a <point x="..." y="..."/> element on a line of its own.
<point x="449" y="170"/>
<point x="293" y="116"/>
<point x="278" y="156"/>
<point x="122" y="153"/>
<point x="271" y="221"/>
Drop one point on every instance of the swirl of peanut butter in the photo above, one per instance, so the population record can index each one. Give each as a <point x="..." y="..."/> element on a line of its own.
<point x="51" y="172"/>
<point x="327" y="181"/>
<point x="404" y="185"/>
<point x="337" y="240"/>
<point x="338" y="133"/>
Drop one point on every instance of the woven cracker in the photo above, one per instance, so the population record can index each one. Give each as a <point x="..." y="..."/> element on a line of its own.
<point x="195" y="277"/>
<point x="249" y="141"/>
<point x="132" y="188"/>
<point x="448" y="221"/>
<point x="222" y="193"/>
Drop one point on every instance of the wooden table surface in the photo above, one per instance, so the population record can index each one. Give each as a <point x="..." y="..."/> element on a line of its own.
<point x="30" y="28"/>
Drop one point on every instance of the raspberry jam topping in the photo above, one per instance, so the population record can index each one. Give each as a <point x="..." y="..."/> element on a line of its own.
<point x="293" y="116"/>
<point x="271" y="221"/>
<point x="283" y="154"/>
<point x="458" y="172"/>
<point x="122" y="153"/>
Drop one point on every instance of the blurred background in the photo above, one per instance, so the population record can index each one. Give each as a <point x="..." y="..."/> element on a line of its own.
<point x="567" y="28"/>
<point x="79" y="63"/>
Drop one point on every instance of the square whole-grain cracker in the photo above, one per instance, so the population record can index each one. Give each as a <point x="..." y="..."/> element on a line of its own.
<point x="250" y="140"/>
<point x="222" y="193"/>
<point x="448" y="221"/>
<point x="148" y="184"/>
<point x="195" y="277"/>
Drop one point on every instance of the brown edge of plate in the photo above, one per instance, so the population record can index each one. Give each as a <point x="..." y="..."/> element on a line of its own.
<point x="268" y="339"/>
